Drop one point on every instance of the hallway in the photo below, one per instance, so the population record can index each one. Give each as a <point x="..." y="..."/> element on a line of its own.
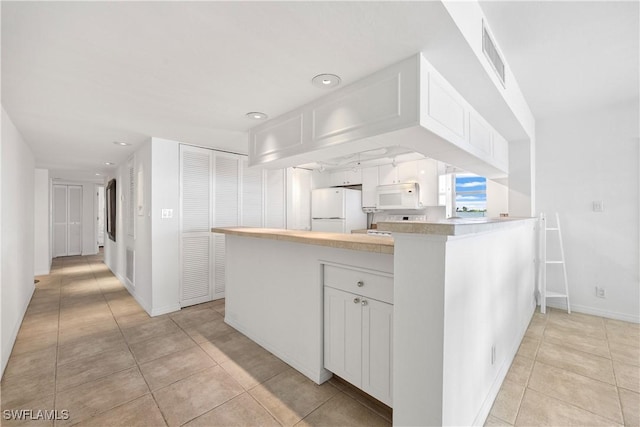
<point x="87" y="347"/>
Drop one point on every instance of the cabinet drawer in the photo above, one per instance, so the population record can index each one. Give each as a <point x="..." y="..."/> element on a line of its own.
<point x="361" y="282"/>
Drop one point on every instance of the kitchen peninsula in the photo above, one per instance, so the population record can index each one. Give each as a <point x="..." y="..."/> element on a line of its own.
<point x="451" y="300"/>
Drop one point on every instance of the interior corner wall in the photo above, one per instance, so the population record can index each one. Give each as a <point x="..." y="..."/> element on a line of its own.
<point x="17" y="230"/>
<point x="41" y="204"/>
<point x="587" y="157"/>
<point x="165" y="232"/>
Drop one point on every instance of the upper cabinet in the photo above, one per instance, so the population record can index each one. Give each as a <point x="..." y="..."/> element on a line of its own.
<point x="345" y="177"/>
<point x="408" y="104"/>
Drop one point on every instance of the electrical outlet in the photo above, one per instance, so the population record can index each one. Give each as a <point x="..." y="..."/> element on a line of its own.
<point x="166" y="213"/>
<point x="601" y="292"/>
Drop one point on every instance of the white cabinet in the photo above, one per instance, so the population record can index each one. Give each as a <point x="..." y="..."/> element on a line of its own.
<point x="345" y="177"/>
<point x="369" y="184"/>
<point x="388" y="174"/>
<point x="358" y="329"/>
<point x="298" y="199"/>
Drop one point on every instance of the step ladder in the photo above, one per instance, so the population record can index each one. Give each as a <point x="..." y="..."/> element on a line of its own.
<point x="545" y="230"/>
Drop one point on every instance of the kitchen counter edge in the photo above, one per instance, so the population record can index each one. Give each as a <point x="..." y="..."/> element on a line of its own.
<point x="357" y="242"/>
<point x="453" y="226"/>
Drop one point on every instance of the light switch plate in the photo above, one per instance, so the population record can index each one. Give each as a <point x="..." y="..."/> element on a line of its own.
<point x="598" y="206"/>
<point x="166" y="213"/>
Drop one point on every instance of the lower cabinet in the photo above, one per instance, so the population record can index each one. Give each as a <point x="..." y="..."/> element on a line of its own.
<point x="358" y="340"/>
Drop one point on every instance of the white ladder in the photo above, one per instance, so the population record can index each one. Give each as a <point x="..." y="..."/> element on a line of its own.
<point x="544" y="294"/>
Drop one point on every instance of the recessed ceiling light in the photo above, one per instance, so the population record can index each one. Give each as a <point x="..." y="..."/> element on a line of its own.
<point x="98" y="174"/>
<point x="257" y="115"/>
<point x="109" y="163"/>
<point x="326" y="81"/>
<point x="121" y="143"/>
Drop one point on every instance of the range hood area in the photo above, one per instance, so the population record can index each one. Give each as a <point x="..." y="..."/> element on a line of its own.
<point x="405" y="108"/>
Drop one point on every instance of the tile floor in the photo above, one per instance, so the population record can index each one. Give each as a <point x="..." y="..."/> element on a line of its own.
<point x="85" y="345"/>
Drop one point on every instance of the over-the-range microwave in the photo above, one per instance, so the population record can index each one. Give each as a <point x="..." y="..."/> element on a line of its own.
<point x="398" y="196"/>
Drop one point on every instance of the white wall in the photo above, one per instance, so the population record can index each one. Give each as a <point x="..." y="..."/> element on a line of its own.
<point x="156" y="241"/>
<point x="165" y="194"/>
<point x="42" y="235"/>
<point x="16" y="282"/>
<point x="497" y="199"/>
<point x="589" y="157"/>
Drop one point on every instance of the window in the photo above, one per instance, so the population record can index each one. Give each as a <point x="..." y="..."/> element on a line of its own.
<point x="470" y="195"/>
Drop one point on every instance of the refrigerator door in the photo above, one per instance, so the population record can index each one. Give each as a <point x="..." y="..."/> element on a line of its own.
<point x="328" y="203"/>
<point x="329" y="225"/>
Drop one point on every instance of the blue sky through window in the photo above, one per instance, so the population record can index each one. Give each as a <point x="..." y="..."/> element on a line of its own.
<point x="471" y="192"/>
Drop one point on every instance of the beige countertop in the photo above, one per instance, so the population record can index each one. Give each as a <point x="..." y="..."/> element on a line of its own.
<point x="356" y="242"/>
<point x="452" y="226"/>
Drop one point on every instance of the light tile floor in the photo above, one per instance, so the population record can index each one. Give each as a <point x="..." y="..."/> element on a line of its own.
<point x="86" y="346"/>
<point x="572" y="369"/>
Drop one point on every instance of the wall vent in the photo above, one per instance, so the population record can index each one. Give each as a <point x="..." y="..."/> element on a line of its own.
<point x="490" y="51"/>
<point x="130" y="265"/>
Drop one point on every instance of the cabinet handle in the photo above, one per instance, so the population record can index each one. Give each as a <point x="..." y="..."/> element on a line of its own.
<point x="364" y="302"/>
<point x="360" y="283"/>
<point x="356" y="300"/>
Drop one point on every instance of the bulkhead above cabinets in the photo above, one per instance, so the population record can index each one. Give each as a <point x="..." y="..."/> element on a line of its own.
<point x="407" y="107"/>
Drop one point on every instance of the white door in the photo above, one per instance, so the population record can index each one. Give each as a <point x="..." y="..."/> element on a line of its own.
<point x="328" y="203"/>
<point x="100" y="216"/>
<point x="67" y="220"/>
<point x="60" y="220"/>
<point x="377" y="349"/>
<point x="226" y="213"/>
<point x="343" y="334"/>
<point x="196" y="239"/>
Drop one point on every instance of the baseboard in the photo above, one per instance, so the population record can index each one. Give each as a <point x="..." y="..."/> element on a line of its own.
<point x="483" y="413"/>
<point x="42" y="272"/>
<point x="597" y="312"/>
<point x="166" y="309"/>
<point x="7" y="348"/>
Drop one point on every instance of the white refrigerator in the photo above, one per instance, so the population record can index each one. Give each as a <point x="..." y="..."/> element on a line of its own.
<point x="337" y="210"/>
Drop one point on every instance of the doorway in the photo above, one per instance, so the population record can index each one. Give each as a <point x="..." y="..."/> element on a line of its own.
<point x="67" y="220"/>
<point x="100" y="217"/>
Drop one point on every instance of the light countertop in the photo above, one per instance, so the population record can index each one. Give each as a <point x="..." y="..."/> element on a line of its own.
<point x="356" y="242"/>
<point x="451" y="226"/>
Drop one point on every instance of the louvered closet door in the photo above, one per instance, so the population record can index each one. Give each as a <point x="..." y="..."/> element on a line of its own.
<point x="59" y="220"/>
<point x="226" y="213"/>
<point x="195" y="240"/>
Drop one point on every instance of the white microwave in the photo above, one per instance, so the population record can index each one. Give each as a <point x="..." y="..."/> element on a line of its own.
<point x="398" y="196"/>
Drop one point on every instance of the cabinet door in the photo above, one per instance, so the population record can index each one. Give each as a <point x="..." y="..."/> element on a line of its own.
<point x="336" y="178"/>
<point x="377" y="349"/>
<point x="369" y="184"/>
<point x="343" y="335"/>
<point x="387" y="174"/>
<point x="408" y="172"/>
<point x="353" y="177"/>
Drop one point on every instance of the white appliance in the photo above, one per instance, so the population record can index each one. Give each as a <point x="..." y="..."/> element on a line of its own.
<point x="337" y="210"/>
<point x="398" y="196"/>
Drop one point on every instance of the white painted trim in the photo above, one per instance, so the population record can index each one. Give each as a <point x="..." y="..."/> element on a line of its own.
<point x="166" y="309"/>
<point x="131" y="291"/>
<point x="43" y="272"/>
<point x="6" y="352"/>
<point x="597" y="312"/>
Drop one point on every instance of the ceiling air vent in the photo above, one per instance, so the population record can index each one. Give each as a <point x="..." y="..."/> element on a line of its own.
<point x="490" y="51"/>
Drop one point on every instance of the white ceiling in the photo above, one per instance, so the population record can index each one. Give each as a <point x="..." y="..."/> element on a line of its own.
<point x="78" y="75"/>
